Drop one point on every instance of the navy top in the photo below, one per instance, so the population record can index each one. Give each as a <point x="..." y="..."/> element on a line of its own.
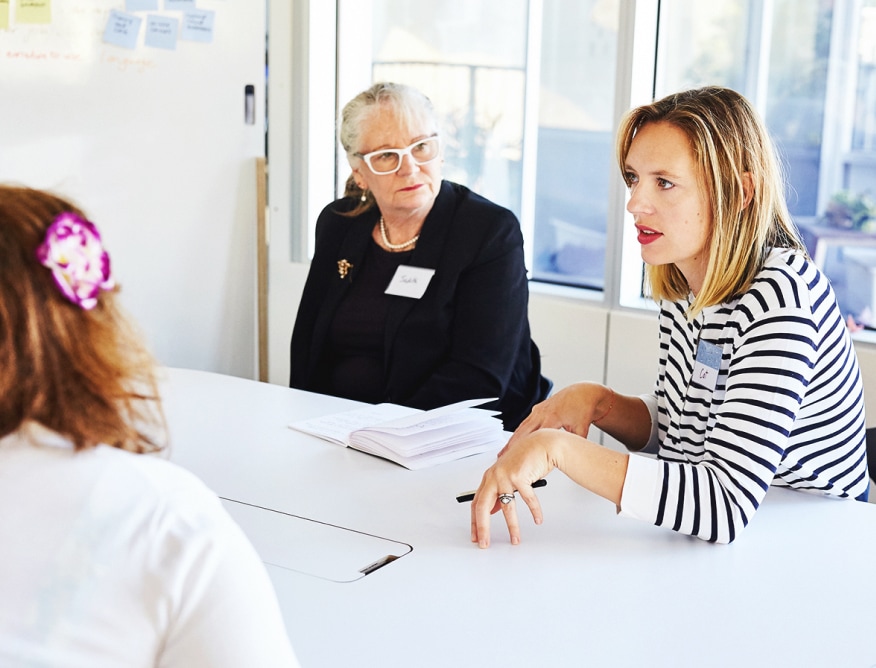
<point x="466" y="337"/>
<point x="355" y="351"/>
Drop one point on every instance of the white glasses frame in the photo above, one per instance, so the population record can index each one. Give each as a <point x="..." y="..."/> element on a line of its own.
<point x="401" y="153"/>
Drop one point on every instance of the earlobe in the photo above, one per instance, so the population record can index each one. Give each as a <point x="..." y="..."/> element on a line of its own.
<point x="747" y="189"/>
<point x="359" y="181"/>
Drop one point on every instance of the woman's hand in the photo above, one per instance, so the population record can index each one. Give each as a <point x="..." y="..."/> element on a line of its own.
<point x="572" y="409"/>
<point x="526" y="460"/>
<point x="532" y="456"/>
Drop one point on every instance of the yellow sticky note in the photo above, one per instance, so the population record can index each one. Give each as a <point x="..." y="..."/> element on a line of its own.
<point x="33" y="11"/>
<point x="4" y="14"/>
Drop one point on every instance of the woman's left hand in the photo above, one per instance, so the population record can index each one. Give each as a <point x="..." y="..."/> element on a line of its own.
<point x="572" y="409"/>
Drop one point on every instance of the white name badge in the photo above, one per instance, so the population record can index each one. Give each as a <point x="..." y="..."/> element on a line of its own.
<point x="707" y="365"/>
<point x="410" y="281"/>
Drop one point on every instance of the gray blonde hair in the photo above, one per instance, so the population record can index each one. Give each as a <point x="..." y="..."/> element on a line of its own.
<point x="408" y="103"/>
<point x="728" y="140"/>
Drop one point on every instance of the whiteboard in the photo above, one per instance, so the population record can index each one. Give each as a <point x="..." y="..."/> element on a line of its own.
<point x="153" y="143"/>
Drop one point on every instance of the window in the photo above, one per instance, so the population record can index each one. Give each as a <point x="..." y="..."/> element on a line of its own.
<point x="808" y="65"/>
<point x="470" y="59"/>
<point x="774" y="53"/>
<point x="575" y="141"/>
<point x="526" y="93"/>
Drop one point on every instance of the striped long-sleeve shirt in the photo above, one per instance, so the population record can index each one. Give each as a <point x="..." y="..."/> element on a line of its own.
<point x="774" y="397"/>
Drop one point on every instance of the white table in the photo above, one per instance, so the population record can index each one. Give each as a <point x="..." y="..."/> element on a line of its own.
<point x="587" y="588"/>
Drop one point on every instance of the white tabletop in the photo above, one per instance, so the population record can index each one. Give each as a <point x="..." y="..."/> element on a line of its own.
<point x="587" y="588"/>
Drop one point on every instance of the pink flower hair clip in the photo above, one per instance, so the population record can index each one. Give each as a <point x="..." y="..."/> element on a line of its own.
<point x="80" y="266"/>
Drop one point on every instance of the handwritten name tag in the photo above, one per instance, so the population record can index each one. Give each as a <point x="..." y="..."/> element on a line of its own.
<point x="410" y="281"/>
<point x="707" y="365"/>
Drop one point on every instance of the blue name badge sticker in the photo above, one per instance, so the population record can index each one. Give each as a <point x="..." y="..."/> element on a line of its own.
<point x="410" y="281"/>
<point x="707" y="365"/>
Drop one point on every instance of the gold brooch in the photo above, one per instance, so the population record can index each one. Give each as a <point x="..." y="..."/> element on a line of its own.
<point x="343" y="268"/>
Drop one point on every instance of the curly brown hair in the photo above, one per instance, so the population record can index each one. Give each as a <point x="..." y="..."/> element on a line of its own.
<point x="84" y="374"/>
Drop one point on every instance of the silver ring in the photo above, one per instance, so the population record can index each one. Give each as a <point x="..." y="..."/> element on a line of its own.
<point x="505" y="499"/>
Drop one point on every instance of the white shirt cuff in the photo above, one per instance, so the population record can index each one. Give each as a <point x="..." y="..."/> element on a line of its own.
<point x="641" y="492"/>
<point x="650" y="402"/>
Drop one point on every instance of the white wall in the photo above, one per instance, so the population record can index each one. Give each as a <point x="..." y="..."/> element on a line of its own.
<point x="867" y="360"/>
<point x="571" y="335"/>
<point x="284" y="293"/>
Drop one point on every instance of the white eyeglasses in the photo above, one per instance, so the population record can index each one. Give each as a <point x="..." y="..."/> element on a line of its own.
<point x="389" y="160"/>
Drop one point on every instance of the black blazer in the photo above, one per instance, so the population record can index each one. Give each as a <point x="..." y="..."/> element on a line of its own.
<point x="466" y="337"/>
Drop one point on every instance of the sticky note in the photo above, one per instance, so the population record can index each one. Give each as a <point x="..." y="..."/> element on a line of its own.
<point x="161" y="31"/>
<point x="141" y="5"/>
<point x="33" y="11"/>
<point x="122" y="29"/>
<point x="197" y="25"/>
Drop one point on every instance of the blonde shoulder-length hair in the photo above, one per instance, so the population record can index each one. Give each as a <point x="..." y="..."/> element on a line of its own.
<point x="743" y="183"/>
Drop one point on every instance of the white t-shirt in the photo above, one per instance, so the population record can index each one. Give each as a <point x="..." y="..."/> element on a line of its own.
<point x="113" y="559"/>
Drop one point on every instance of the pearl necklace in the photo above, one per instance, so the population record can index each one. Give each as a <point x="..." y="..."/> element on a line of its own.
<point x="394" y="246"/>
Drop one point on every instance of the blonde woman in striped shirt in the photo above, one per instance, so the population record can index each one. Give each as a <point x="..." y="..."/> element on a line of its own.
<point x="757" y="384"/>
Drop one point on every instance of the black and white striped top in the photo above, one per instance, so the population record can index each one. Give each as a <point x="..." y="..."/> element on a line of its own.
<point x="784" y="405"/>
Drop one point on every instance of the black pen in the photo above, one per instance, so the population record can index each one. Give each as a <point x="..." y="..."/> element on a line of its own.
<point x="468" y="496"/>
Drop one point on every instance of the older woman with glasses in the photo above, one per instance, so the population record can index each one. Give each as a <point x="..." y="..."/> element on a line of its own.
<point x="417" y="292"/>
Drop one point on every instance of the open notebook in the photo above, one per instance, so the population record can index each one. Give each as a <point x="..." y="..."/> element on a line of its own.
<point x="411" y="437"/>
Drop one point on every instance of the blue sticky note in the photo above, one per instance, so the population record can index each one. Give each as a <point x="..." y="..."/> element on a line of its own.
<point x="161" y="31"/>
<point x="709" y="354"/>
<point x="141" y="5"/>
<point x="197" y="25"/>
<point x="179" y="5"/>
<point x="708" y="365"/>
<point x="122" y="29"/>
